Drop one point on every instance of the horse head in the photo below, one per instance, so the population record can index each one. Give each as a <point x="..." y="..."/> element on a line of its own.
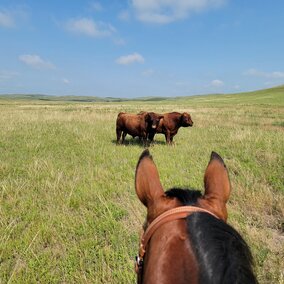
<point x="186" y="237"/>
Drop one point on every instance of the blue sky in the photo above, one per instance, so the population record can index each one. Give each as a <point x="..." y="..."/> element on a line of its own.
<point x="133" y="48"/>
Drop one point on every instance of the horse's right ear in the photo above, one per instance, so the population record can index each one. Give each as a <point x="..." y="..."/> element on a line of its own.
<point x="217" y="186"/>
<point x="147" y="182"/>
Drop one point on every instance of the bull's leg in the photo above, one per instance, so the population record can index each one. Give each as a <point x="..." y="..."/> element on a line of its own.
<point x="151" y="136"/>
<point x="145" y="141"/>
<point x="118" y="135"/>
<point x="168" y="137"/>
<point x="144" y="137"/>
<point x="123" y="137"/>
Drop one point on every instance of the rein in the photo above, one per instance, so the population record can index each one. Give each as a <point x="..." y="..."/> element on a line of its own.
<point x="173" y="214"/>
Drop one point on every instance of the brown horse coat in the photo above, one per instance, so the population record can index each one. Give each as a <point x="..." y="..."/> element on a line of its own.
<point x="170" y="256"/>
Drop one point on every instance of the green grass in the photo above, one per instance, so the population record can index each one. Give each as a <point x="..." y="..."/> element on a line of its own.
<point x="69" y="213"/>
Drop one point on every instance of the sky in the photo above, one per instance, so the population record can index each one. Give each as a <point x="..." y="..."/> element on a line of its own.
<point x="137" y="48"/>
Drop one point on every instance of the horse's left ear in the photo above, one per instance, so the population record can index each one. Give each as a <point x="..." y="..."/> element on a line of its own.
<point x="217" y="186"/>
<point x="147" y="181"/>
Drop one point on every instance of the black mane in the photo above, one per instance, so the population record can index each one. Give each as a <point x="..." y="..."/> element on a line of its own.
<point x="185" y="196"/>
<point x="222" y="254"/>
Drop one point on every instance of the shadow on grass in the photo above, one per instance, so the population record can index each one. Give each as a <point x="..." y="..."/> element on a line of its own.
<point x="137" y="142"/>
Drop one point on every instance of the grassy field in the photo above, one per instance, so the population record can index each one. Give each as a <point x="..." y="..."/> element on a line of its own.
<point x="68" y="209"/>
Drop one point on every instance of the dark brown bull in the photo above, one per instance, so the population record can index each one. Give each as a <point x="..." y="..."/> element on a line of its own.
<point x="136" y="125"/>
<point x="170" y="124"/>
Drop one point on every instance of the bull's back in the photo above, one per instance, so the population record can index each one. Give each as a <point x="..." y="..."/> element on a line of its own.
<point x="130" y="123"/>
<point x="168" y="122"/>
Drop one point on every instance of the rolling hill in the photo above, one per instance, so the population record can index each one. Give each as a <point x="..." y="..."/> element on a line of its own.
<point x="269" y="96"/>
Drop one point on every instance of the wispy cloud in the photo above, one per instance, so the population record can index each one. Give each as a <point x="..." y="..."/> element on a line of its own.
<point x="148" y="72"/>
<point x="11" y="18"/>
<point x="96" y="6"/>
<point x="36" y="61"/>
<point x="65" y="81"/>
<point x="119" y="41"/>
<point x="6" y="19"/>
<point x="217" y="83"/>
<point x="124" y="15"/>
<point x="257" y="73"/>
<point x="129" y="59"/>
<point x="7" y="75"/>
<point x="89" y="27"/>
<point x="181" y="83"/>
<point x="167" y="11"/>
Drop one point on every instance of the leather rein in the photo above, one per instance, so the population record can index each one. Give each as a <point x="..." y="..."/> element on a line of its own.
<point x="180" y="212"/>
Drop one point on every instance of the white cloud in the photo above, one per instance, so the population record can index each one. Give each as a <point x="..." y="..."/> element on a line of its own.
<point x="167" y="11"/>
<point x="13" y="17"/>
<point x="89" y="27"/>
<point x="258" y="73"/>
<point x="276" y="75"/>
<point x="6" y="20"/>
<point x="148" y="72"/>
<point x="7" y="75"/>
<point x="181" y="83"/>
<point x="124" y="15"/>
<point x="119" y="41"/>
<point x="131" y="58"/>
<point x="65" y="81"/>
<point x="36" y="61"/>
<point x="96" y="6"/>
<point x="217" y="83"/>
<point x="254" y="72"/>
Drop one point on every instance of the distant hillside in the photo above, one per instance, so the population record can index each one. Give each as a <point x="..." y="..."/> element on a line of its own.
<point x="58" y="98"/>
<point x="271" y="96"/>
<point x="266" y="96"/>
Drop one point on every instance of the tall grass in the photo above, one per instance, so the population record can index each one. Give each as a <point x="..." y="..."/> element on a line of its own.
<point x="69" y="213"/>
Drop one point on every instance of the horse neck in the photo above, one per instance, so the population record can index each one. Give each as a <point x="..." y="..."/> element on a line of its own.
<point x="169" y="257"/>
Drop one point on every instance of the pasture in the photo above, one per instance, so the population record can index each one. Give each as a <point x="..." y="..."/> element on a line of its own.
<point x="68" y="208"/>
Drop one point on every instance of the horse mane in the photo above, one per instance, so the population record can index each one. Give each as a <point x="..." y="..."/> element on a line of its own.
<point x="222" y="254"/>
<point x="185" y="196"/>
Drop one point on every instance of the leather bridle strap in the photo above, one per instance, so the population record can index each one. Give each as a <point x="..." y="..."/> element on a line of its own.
<point x="170" y="215"/>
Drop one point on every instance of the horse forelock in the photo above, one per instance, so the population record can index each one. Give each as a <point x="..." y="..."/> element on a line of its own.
<point x="185" y="196"/>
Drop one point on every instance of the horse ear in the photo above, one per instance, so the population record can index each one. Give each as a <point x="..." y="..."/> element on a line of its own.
<point x="147" y="182"/>
<point x="217" y="185"/>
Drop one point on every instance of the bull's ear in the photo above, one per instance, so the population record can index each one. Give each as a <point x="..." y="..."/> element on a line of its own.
<point x="147" y="182"/>
<point x="217" y="185"/>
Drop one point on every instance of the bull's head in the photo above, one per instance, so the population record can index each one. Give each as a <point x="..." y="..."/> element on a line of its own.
<point x="186" y="119"/>
<point x="153" y="119"/>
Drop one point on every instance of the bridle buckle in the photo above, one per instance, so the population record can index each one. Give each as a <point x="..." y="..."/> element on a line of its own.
<point x="138" y="263"/>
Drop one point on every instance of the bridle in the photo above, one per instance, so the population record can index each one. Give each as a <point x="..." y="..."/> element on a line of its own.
<point x="173" y="214"/>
